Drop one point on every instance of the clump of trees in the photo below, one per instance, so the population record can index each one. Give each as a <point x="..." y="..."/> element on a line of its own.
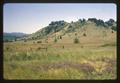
<point x="109" y="23"/>
<point x="54" y="26"/>
<point x="98" y="22"/>
<point x="114" y="28"/>
<point x="71" y="28"/>
<point x="82" y="21"/>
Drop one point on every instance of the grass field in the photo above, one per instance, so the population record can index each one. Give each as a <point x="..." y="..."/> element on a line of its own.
<point x="92" y="60"/>
<point x="60" y="41"/>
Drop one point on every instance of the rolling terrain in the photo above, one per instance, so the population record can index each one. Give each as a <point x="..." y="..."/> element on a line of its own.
<point x="7" y="37"/>
<point x="85" y="49"/>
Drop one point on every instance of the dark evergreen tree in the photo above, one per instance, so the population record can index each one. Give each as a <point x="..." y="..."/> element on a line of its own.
<point x="110" y="22"/>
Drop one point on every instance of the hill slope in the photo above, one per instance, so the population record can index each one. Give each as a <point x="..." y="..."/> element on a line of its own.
<point x="82" y="28"/>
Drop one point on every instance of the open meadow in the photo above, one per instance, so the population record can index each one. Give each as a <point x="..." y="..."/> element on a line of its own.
<point x="60" y="41"/>
<point x="85" y="60"/>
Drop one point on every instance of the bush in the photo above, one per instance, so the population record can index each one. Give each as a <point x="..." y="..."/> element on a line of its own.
<point x="55" y="40"/>
<point x="60" y="37"/>
<point x="63" y="47"/>
<point x="39" y="41"/>
<point x="112" y="31"/>
<point x="76" y="40"/>
<point x="75" y="34"/>
<point x="114" y="28"/>
<point x="84" y="34"/>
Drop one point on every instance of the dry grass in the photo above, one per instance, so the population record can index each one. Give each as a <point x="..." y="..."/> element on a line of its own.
<point x="93" y="58"/>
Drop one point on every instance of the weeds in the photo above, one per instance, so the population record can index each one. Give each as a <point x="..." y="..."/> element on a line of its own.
<point x="59" y="63"/>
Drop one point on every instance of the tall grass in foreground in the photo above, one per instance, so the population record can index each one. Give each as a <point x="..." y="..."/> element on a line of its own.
<point x="20" y="62"/>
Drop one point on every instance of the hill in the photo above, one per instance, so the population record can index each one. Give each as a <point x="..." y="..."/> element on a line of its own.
<point x="91" y="28"/>
<point x="83" y="50"/>
<point x="13" y="36"/>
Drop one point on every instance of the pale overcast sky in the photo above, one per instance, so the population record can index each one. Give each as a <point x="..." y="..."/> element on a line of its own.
<point x="29" y="18"/>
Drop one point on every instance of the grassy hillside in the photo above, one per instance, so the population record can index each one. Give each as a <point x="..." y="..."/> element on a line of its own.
<point x="60" y="28"/>
<point x="55" y="55"/>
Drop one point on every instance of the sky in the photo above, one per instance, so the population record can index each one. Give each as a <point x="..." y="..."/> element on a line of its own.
<point x="30" y="17"/>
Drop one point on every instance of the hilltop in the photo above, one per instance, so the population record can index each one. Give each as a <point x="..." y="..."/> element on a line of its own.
<point x="85" y="49"/>
<point x="65" y="32"/>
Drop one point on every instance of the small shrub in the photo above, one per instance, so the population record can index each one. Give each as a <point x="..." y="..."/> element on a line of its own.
<point x="84" y="34"/>
<point x="75" y="34"/>
<point x="76" y="40"/>
<point x="112" y="31"/>
<point x="60" y="37"/>
<point x="63" y="47"/>
<point x="44" y="48"/>
<point x="38" y="48"/>
<point x="7" y="48"/>
<point x="55" y="40"/>
<point x="39" y="41"/>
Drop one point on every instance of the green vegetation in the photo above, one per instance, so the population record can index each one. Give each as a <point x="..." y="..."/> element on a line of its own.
<point x="82" y="50"/>
<point x="58" y="63"/>
<point x="76" y="40"/>
<point x="55" y="40"/>
<point x="9" y="37"/>
<point x="62" y="26"/>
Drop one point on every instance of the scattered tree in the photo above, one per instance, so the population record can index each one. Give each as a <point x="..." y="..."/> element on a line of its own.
<point x="97" y="22"/>
<point x="114" y="28"/>
<point x="112" y="31"/>
<point x="63" y="47"/>
<point x="75" y="34"/>
<point x="84" y="34"/>
<point x="60" y="37"/>
<point x="39" y="41"/>
<point x="110" y="22"/>
<point x="76" y="40"/>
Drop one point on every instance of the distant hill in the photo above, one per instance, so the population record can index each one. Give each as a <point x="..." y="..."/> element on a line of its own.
<point x="13" y="36"/>
<point x="82" y="26"/>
